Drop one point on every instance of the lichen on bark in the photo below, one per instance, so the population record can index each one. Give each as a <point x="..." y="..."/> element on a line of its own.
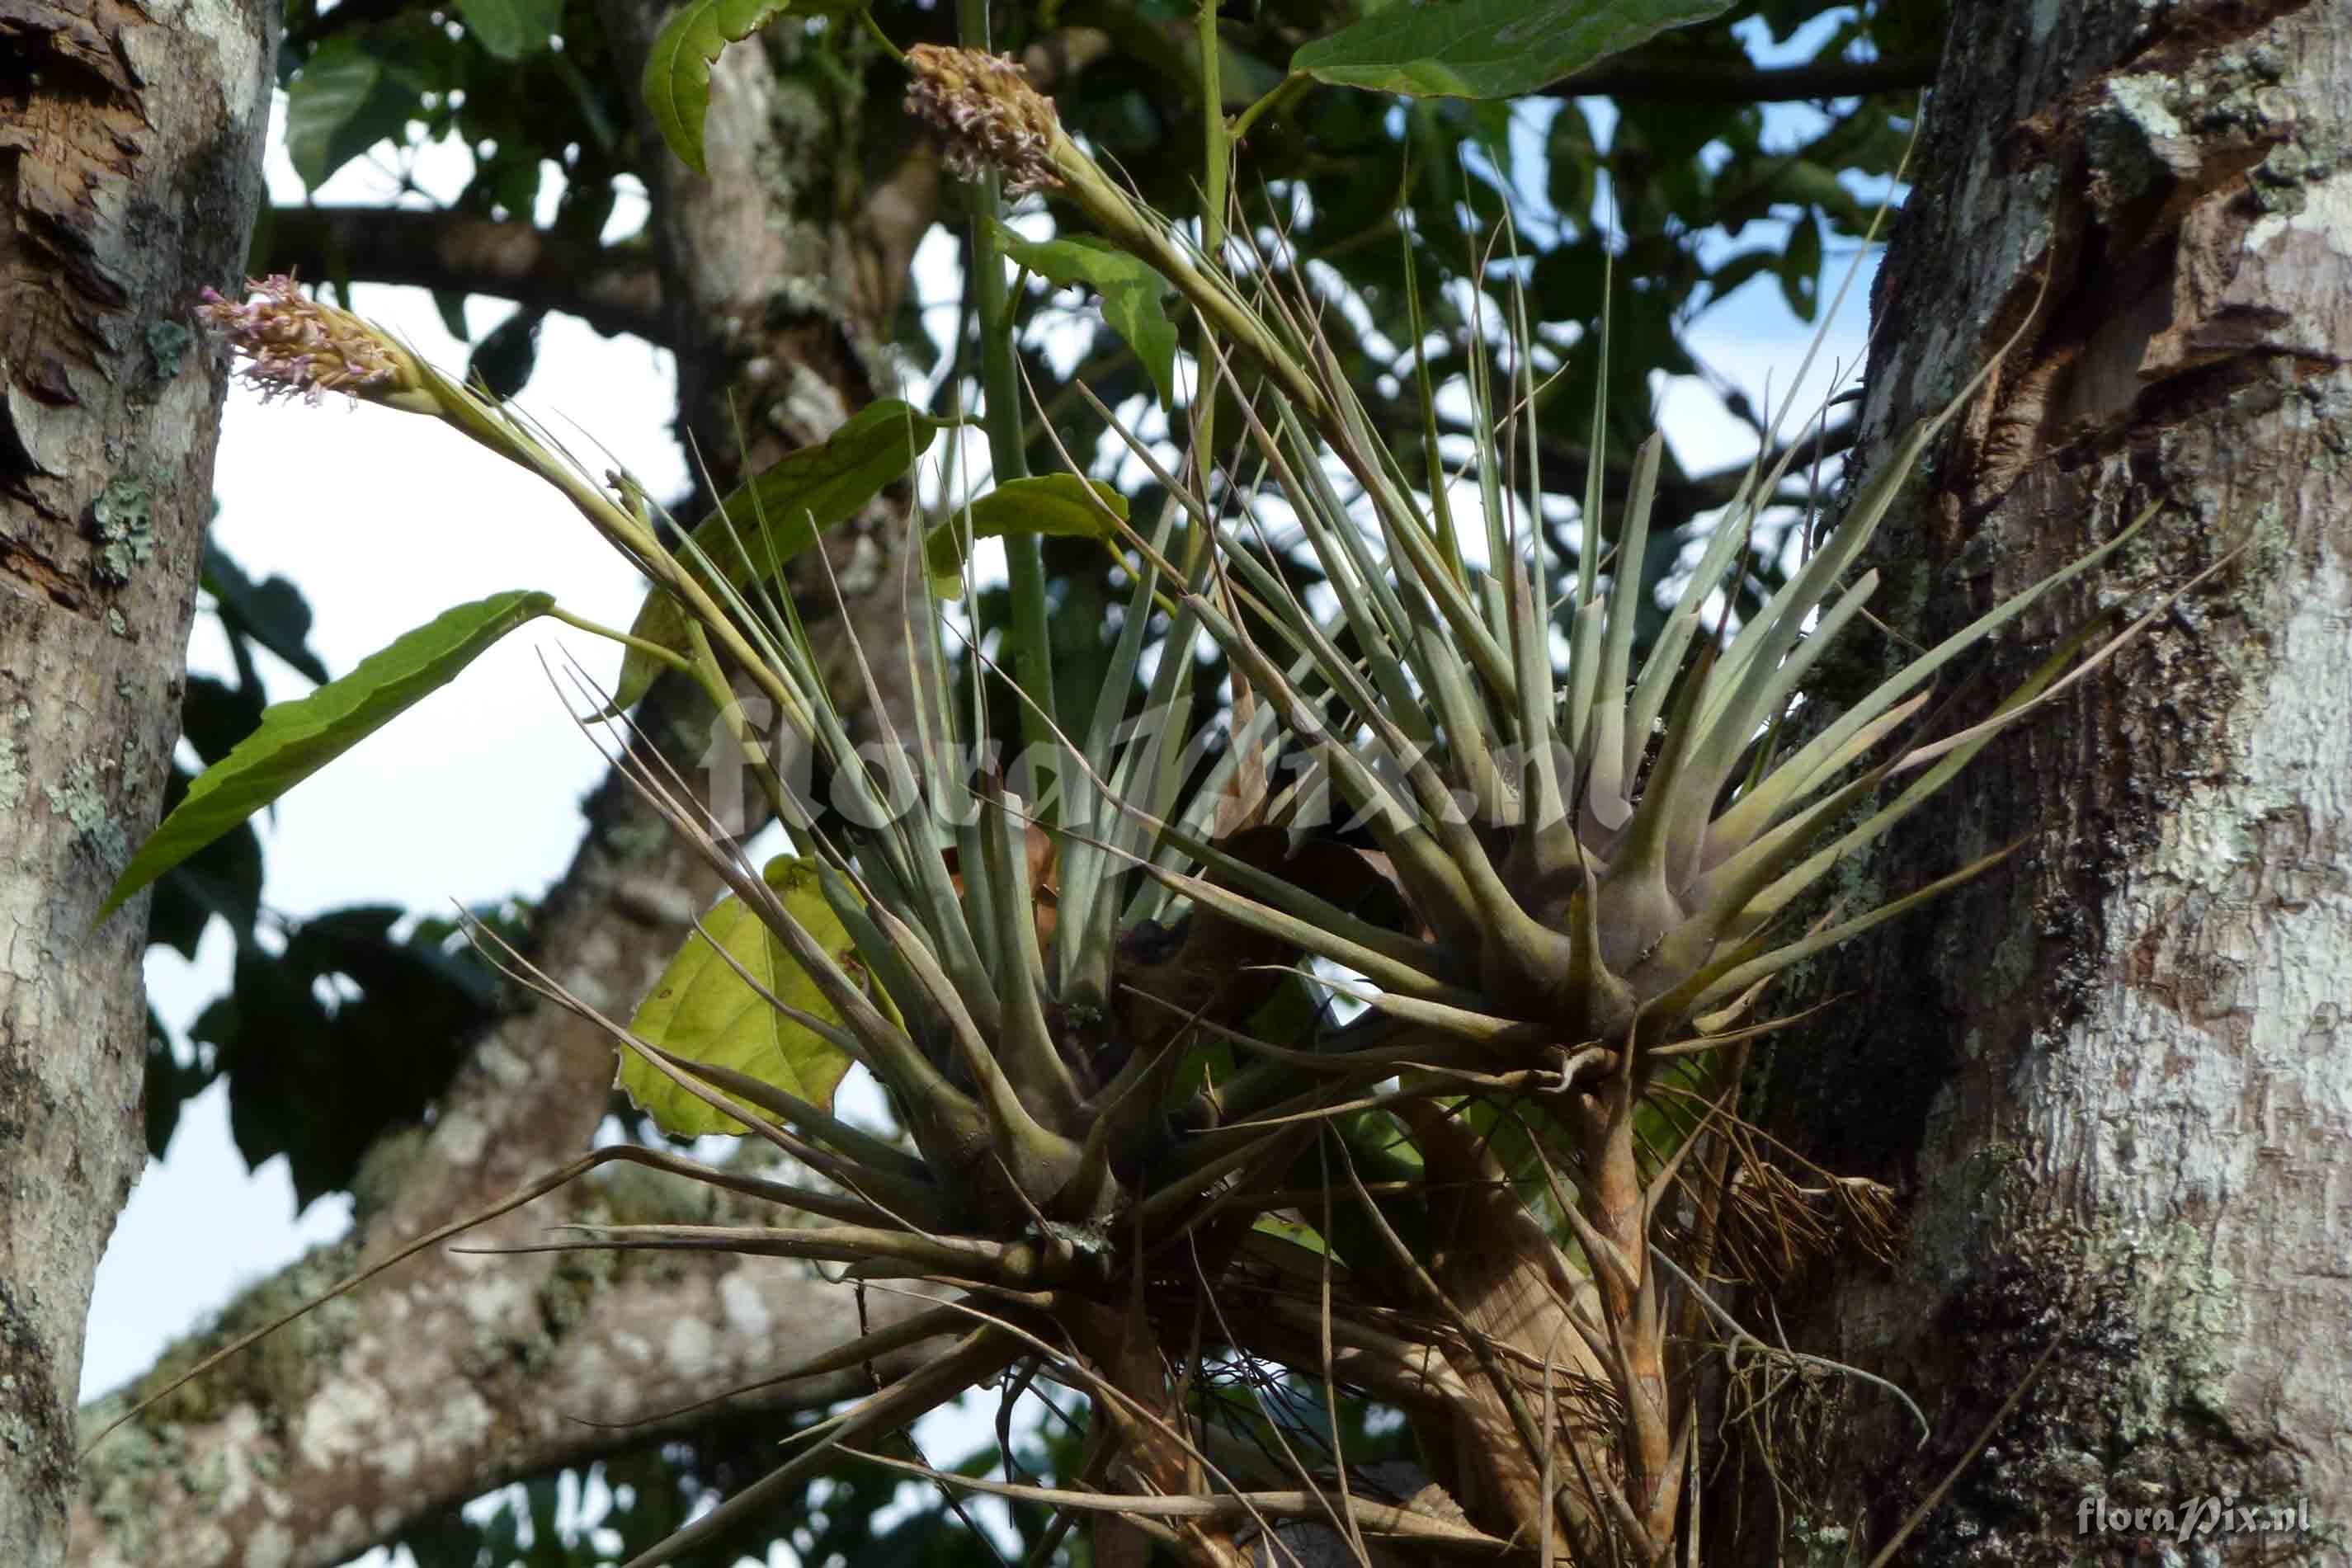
<point x="2103" y="1073"/>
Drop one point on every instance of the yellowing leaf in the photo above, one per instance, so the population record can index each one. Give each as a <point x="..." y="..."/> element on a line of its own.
<point x="702" y="1009"/>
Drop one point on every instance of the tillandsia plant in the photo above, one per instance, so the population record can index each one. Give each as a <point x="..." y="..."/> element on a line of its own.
<point x="1437" y="1107"/>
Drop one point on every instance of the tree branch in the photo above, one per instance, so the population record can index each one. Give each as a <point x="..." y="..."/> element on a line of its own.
<point x="457" y="1373"/>
<point x="613" y="289"/>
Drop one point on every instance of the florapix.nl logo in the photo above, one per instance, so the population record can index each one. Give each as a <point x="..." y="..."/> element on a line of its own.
<point x="2193" y="1518"/>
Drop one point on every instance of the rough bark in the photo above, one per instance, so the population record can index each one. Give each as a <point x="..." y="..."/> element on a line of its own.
<point x="460" y="1371"/>
<point x="130" y="166"/>
<point x="2111" y="1073"/>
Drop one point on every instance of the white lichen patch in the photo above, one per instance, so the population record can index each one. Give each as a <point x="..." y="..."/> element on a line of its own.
<point x="271" y="1545"/>
<point x="462" y="1137"/>
<point x="2140" y="99"/>
<point x="125" y="519"/>
<point x="12" y="776"/>
<point x="207" y="1545"/>
<point x="397" y="1459"/>
<point x="79" y="799"/>
<point x="463" y="1421"/>
<point x="496" y="1297"/>
<point x="2326" y="212"/>
<point x="343" y="1418"/>
<point x="506" y="1066"/>
<point x="692" y="1347"/>
<point x="745" y="1305"/>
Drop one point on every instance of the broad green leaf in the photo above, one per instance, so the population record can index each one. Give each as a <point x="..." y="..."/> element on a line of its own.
<point x="703" y="1009"/>
<point x="1489" y="48"/>
<point x="770" y="518"/>
<point x="1053" y="504"/>
<point x="676" y="83"/>
<point x="1130" y="291"/>
<point x="510" y="29"/>
<point x="340" y="103"/>
<point x="297" y="738"/>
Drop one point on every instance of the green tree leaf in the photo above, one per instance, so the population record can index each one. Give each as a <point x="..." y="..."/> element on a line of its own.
<point x="272" y="613"/>
<point x="1801" y="265"/>
<point x="770" y="519"/>
<point x="1489" y="48"/>
<point x="1130" y="291"/>
<point x="451" y="304"/>
<point x="1053" y="504"/>
<point x="676" y="83"/>
<point x="510" y="29"/>
<point x="702" y="1009"/>
<point x="340" y="103"/>
<point x="297" y="738"/>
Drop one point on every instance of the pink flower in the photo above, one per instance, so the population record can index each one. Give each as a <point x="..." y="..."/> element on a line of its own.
<point x="292" y="344"/>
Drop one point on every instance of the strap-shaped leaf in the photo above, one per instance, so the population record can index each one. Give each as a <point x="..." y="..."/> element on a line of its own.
<point x="676" y="83"/>
<point x="1489" y="48"/>
<point x="297" y="738"/>
<point x="1130" y="291"/>
<point x="1055" y="504"/>
<point x="704" y="1009"/>
<point x="772" y="518"/>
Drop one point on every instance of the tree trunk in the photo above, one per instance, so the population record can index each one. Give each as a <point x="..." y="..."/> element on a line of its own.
<point x="2110" y="1073"/>
<point x="130" y="169"/>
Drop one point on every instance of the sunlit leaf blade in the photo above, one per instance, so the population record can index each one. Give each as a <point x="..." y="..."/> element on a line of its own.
<point x="768" y="520"/>
<point x="1489" y="48"/>
<point x="705" y="1010"/>
<point x="1130" y="289"/>
<point x="676" y="82"/>
<point x="1055" y="504"/>
<point x="297" y="739"/>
